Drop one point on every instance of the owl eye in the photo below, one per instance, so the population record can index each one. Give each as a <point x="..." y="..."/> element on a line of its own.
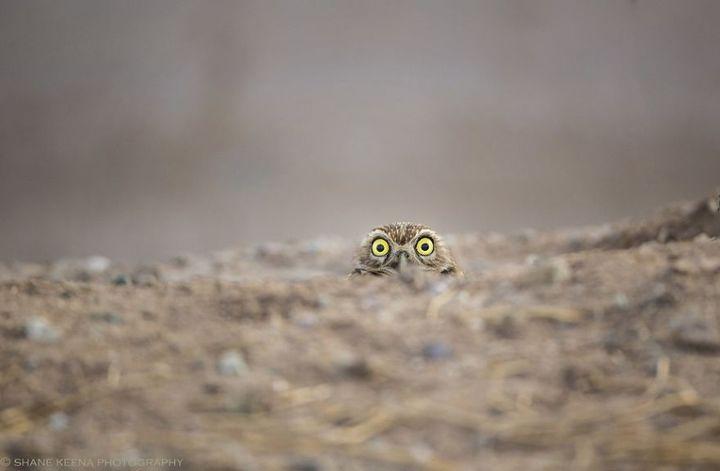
<point x="380" y="247"/>
<point x="425" y="246"/>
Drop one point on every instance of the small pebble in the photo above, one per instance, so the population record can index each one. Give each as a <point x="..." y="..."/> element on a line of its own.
<point x="304" y="464"/>
<point x="232" y="363"/>
<point x="659" y="296"/>
<point x="561" y="270"/>
<point x="621" y="301"/>
<point x="30" y="364"/>
<point x="436" y="351"/>
<point x="533" y="259"/>
<point x="618" y="340"/>
<point x="269" y="249"/>
<point x="144" y="279"/>
<point x="312" y="247"/>
<point x="83" y="276"/>
<point x="59" y="421"/>
<point x="323" y="301"/>
<point x="421" y="452"/>
<point x="710" y="265"/>
<point x="576" y="244"/>
<point x="97" y="264"/>
<point x="121" y="280"/>
<point x="695" y="334"/>
<point x="31" y="289"/>
<point x="542" y="271"/>
<point x="39" y="330"/>
<point x="439" y="286"/>
<point x="505" y="327"/>
<point x="211" y="388"/>
<point x="107" y="316"/>
<point x="370" y="303"/>
<point x="181" y="261"/>
<point x="664" y="235"/>
<point x="305" y="319"/>
<point x="247" y="402"/>
<point x="713" y="203"/>
<point x="146" y="276"/>
<point x="352" y="366"/>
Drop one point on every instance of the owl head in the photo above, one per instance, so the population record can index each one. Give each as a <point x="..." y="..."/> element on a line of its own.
<point x="392" y="249"/>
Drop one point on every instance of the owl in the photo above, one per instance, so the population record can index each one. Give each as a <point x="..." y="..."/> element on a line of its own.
<point x="403" y="246"/>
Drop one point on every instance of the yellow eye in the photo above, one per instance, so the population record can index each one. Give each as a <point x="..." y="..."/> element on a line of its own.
<point x="425" y="246"/>
<point x="380" y="247"/>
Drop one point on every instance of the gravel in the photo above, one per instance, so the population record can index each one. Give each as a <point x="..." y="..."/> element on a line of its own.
<point x="695" y="334"/>
<point x="437" y="351"/>
<point x="232" y="363"/>
<point x="59" y="421"/>
<point x="39" y="330"/>
<point x="107" y="316"/>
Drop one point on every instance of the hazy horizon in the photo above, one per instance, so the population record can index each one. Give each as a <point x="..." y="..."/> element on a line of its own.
<point x="146" y="129"/>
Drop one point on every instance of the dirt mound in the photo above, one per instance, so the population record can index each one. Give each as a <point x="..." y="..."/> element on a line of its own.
<point x="584" y="349"/>
<point x="680" y="222"/>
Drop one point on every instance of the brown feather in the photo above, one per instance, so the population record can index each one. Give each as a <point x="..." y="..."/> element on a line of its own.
<point x="402" y="237"/>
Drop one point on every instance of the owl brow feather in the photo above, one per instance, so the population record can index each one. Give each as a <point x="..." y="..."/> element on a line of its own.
<point x="402" y="232"/>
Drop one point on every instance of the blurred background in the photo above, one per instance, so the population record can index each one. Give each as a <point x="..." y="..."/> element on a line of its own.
<point x="138" y="129"/>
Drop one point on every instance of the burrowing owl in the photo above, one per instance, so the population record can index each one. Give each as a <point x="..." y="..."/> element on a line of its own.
<point x="401" y="246"/>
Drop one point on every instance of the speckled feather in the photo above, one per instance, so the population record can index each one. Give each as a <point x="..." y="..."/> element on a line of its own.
<point x="402" y="237"/>
<point x="401" y="232"/>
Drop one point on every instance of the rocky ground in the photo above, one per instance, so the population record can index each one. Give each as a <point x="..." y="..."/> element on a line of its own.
<point x="595" y="348"/>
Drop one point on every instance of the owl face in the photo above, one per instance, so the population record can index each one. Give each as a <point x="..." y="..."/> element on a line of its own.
<point x="391" y="249"/>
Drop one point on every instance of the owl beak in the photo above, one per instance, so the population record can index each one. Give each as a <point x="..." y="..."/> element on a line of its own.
<point x="404" y="268"/>
<point x="407" y="271"/>
<point x="402" y="262"/>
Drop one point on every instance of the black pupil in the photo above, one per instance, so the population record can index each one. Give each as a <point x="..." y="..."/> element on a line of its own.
<point x="425" y="246"/>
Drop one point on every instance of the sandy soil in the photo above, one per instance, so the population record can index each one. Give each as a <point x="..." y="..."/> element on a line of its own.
<point x="594" y="348"/>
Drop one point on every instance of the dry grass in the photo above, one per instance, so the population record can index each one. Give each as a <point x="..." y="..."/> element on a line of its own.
<point x="596" y="369"/>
